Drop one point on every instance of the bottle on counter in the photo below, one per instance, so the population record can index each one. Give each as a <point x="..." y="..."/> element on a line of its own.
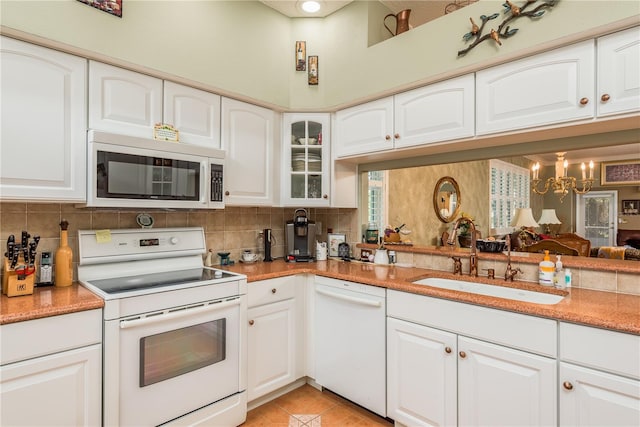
<point x="546" y="271"/>
<point x="567" y="278"/>
<point x="63" y="258"/>
<point x="559" y="279"/>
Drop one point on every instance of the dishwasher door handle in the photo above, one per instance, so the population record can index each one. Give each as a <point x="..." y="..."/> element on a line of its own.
<point x="350" y="299"/>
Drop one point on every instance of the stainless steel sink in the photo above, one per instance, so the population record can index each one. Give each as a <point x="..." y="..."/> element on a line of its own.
<point x="492" y="291"/>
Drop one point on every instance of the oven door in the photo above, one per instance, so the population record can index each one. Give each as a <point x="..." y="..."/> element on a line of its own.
<point x="172" y="362"/>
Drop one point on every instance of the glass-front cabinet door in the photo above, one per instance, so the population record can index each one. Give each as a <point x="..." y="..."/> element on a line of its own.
<point x="306" y="159"/>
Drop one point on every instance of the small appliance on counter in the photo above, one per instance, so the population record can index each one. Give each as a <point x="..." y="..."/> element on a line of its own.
<point x="300" y="236"/>
<point x="267" y="237"/>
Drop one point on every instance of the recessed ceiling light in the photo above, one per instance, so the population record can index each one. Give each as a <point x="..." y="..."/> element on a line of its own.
<point x="310" y="6"/>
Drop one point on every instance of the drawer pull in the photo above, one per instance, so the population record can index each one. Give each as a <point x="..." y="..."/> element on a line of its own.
<point x="396" y="136"/>
<point x="387" y="137"/>
<point x="584" y="101"/>
<point x="605" y="97"/>
<point x="462" y="354"/>
<point x="447" y="349"/>
<point x="274" y="290"/>
<point x="567" y="385"/>
<point x="251" y="322"/>
<point x="226" y="193"/>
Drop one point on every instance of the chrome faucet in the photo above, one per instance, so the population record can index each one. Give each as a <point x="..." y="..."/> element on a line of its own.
<point x="473" y="258"/>
<point x="510" y="273"/>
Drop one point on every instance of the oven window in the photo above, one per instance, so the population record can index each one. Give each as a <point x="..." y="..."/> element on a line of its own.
<point x="173" y="353"/>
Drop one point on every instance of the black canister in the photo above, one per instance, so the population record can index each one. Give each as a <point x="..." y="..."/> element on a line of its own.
<point x="343" y="250"/>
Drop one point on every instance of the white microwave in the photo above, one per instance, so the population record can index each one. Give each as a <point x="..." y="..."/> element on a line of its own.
<point x="131" y="172"/>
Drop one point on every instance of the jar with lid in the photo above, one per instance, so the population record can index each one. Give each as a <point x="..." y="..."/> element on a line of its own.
<point x="371" y="235"/>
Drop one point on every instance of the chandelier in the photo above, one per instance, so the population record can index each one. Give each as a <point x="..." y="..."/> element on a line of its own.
<point x="563" y="183"/>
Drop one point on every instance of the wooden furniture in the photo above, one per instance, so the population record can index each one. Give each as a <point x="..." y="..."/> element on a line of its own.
<point x="563" y="244"/>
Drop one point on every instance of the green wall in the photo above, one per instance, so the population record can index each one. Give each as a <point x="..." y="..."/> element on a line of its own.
<point x="245" y="49"/>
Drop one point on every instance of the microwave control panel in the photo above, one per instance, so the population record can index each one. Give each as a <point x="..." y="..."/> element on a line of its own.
<point x="216" y="183"/>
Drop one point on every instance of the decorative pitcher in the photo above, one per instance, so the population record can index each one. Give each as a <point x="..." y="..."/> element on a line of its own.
<point x="402" y="21"/>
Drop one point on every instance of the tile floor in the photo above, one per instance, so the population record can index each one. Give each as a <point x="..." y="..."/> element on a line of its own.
<point x="309" y="407"/>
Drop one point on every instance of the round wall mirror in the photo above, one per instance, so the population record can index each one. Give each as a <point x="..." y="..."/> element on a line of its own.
<point x="446" y="199"/>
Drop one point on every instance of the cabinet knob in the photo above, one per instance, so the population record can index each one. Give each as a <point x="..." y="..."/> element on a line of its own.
<point x="226" y="193"/>
<point x="447" y="350"/>
<point x="251" y="322"/>
<point x="584" y="101"/>
<point x="387" y="137"/>
<point x="605" y="97"/>
<point x="325" y="196"/>
<point x="396" y="136"/>
<point x="567" y="385"/>
<point x="274" y="290"/>
<point x="462" y="354"/>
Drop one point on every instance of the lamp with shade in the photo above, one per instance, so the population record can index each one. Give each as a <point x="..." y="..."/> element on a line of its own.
<point x="547" y="217"/>
<point x="522" y="220"/>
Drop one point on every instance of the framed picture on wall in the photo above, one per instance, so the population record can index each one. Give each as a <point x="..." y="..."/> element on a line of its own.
<point x="631" y="207"/>
<point x="620" y="173"/>
<point x="113" y="7"/>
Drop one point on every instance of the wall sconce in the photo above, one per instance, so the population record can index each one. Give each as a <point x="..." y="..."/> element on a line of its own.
<point x="563" y="183"/>
<point x="547" y="217"/>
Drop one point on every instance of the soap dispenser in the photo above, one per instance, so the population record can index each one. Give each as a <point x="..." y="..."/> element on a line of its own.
<point x="546" y="271"/>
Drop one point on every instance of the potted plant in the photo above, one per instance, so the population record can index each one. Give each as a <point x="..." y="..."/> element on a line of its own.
<point x="464" y="231"/>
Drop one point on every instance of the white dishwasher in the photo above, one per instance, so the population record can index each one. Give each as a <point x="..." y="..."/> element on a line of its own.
<point x="350" y="341"/>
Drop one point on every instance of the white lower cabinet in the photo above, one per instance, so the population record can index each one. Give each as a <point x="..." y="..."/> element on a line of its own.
<point x="444" y="366"/>
<point x="599" y="377"/>
<point x="421" y="375"/>
<point x="49" y="375"/>
<point x="499" y="385"/>
<point x="275" y="352"/>
<point x="64" y="387"/>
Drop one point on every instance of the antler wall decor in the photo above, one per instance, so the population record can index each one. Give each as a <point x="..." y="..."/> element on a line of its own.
<point x="503" y="31"/>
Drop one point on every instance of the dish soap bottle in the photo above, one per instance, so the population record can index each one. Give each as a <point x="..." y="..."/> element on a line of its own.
<point x="546" y="271"/>
<point x="64" y="258"/>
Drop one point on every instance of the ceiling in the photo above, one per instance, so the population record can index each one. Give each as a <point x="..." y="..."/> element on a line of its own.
<point x="618" y="152"/>
<point x="421" y="11"/>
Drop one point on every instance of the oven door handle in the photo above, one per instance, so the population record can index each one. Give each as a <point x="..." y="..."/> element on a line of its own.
<point x="348" y="298"/>
<point x="178" y="314"/>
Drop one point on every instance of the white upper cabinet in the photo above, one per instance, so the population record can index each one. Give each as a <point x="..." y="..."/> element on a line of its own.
<point x="44" y="110"/>
<point x="553" y="87"/>
<point x="438" y="112"/>
<point x="434" y="113"/>
<point x="365" y="128"/>
<point x="251" y="162"/>
<point x="306" y="159"/>
<point x="123" y="101"/>
<point x="619" y="72"/>
<point x="195" y="113"/>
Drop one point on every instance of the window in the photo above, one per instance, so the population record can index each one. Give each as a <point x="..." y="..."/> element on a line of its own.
<point x="377" y="198"/>
<point x="509" y="189"/>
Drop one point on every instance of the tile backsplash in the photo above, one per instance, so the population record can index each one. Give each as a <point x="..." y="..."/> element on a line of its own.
<point x="232" y="229"/>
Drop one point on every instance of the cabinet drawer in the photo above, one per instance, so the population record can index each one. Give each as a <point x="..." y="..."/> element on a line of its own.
<point x="501" y="327"/>
<point x="611" y="351"/>
<point x="34" y="338"/>
<point x="272" y="290"/>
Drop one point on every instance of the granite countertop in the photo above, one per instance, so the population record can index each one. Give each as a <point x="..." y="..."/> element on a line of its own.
<point x="608" y="310"/>
<point x="47" y="301"/>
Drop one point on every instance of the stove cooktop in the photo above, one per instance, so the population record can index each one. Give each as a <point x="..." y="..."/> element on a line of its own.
<point x="117" y="285"/>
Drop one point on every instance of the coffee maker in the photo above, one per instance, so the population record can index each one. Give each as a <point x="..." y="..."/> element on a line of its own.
<point x="300" y="235"/>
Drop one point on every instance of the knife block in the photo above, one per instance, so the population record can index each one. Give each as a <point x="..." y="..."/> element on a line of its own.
<point x="13" y="284"/>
